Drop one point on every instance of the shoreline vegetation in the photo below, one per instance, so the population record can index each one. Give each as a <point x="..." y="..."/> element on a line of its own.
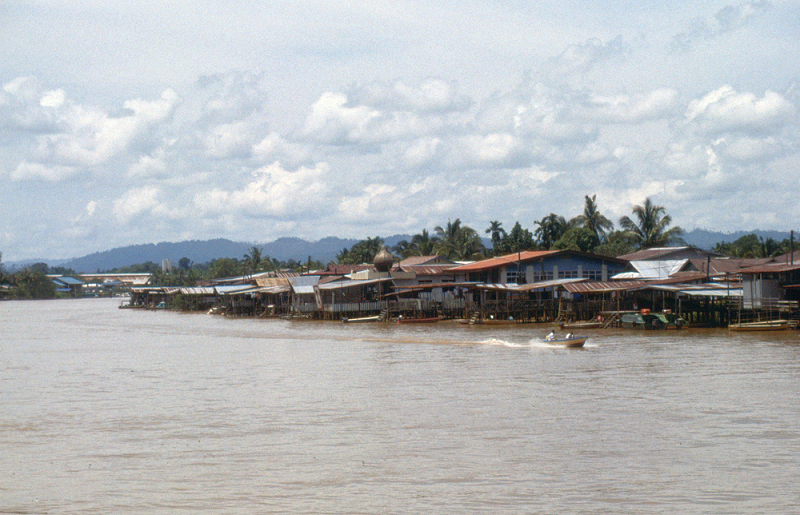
<point x="590" y="232"/>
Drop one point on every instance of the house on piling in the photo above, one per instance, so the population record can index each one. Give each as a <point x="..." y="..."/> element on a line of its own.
<point x="528" y="286"/>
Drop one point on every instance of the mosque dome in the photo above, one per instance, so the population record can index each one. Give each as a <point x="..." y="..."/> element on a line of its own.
<point x="383" y="260"/>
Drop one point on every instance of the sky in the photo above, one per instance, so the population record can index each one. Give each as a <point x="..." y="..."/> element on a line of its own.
<point x="132" y="122"/>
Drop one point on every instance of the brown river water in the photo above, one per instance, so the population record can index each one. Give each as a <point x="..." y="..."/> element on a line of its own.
<point x="111" y="411"/>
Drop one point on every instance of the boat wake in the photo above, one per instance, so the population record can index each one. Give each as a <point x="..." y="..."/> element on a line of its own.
<point x="503" y="343"/>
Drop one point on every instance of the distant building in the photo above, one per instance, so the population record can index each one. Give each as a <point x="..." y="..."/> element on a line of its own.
<point x="70" y="285"/>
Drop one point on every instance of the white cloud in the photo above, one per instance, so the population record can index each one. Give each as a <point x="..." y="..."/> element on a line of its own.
<point x="35" y="171"/>
<point x="91" y="136"/>
<point x="136" y="202"/>
<point x="149" y="165"/>
<point x="726" y="110"/>
<point x="332" y="121"/>
<point x="275" y="192"/>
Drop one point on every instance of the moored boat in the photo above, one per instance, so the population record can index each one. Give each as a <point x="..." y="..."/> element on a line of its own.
<point x="374" y="318"/>
<point x="403" y="320"/>
<point x="767" y="325"/>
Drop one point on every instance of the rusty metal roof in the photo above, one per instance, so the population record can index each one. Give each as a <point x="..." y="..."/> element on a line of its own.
<point x="602" y="286"/>
<point x="770" y="268"/>
<point x="488" y="264"/>
<point x="425" y="260"/>
<point x="427" y="269"/>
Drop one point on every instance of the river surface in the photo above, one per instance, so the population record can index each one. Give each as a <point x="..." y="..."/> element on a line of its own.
<point x="111" y="411"/>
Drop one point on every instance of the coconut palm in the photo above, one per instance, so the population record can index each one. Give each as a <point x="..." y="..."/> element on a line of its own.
<point x="496" y="233"/>
<point x="457" y="242"/>
<point x="651" y="229"/>
<point x="423" y="244"/>
<point x="550" y="229"/>
<point x="362" y="252"/>
<point x="252" y="259"/>
<point x="592" y="219"/>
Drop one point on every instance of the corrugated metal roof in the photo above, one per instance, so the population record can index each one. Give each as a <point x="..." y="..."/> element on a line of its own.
<point x="351" y="283"/>
<point x="771" y="268"/>
<point x="601" y="287"/>
<point x="550" y="284"/>
<point x="488" y="264"/>
<point x="272" y="281"/>
<point x="71" y="281"/>
<point x="654" y="269"/>
<point x="427" y="269"/>
<point x="304" y="285"/>
<point x="652" y="253"/>
<point x="425" y="260"/>
<point x="205" y="290"/>
<point x="696" y="290"/>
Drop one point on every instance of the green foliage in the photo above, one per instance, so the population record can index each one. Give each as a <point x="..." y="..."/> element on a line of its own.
<point x="497" y="233"/>
<point x="517" y="240"/>
<point x="592" y="219"/>
<point x="362" y="252"/>
<point x="580" y="239"/>
<point x="651" y="227"/>
<point x="618" y="243"/>
<point x="751" y="246"/>
<point x="551" y="228"/>
<point x="422" y="244"/>
<point x="458" y="242"/>
<point x="252" y="260"/>
<point x="225" y="267"/>
<point x="32" y="284"/>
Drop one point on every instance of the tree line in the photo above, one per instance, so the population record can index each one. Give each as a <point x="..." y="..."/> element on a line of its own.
<point x="589" y="231"/>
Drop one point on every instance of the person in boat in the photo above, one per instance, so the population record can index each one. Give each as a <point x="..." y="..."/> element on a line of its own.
<point x="569" y="336"/>
<point x="551" y="336"/>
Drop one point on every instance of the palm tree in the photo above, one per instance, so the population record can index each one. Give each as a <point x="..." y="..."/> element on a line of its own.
<point x="651" y="229"/>
<point x="362" y="252"/>
<point x="423" y="244"/>
<point x="551" y="228"/>
<point x="496" y="232"/>
<point x="592" y="219"/>
<point x="457" y="242"/>
<point x="252" y="260"/>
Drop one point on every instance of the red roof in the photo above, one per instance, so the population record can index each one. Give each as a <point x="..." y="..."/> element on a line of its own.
<point x="488" y="264"/>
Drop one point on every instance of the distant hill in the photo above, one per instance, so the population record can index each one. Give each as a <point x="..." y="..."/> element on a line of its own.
<point x="282" y="249"/>
<point x="703" y="239"/>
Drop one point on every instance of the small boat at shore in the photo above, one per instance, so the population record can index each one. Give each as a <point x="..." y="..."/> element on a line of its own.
<point x="498" y="321"/>
<point x="767" y="325"/>
<point x="568" y="341"/>
<point x="403" y="320"/>
<point x="361" y="319"/>
<point x="589" y="324"/>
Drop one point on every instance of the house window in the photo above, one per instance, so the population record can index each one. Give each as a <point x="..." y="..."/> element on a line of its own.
<point x="593" y="275"/>
<point x="539" y="276"/>
<point x="567" y="274"/>
<point x="513" y="276"/>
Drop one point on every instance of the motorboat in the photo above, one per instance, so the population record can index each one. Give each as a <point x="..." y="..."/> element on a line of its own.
<point x="568" y="341"/>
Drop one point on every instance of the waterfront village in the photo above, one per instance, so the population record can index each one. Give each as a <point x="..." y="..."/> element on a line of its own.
<point x="667" y="287"/>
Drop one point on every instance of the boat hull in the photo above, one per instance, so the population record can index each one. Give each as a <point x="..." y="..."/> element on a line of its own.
<point x="772" y="325"/>
<point x="418" y="320"/>
<point x="576" y="341"/>
<point x="360" y="320"/>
